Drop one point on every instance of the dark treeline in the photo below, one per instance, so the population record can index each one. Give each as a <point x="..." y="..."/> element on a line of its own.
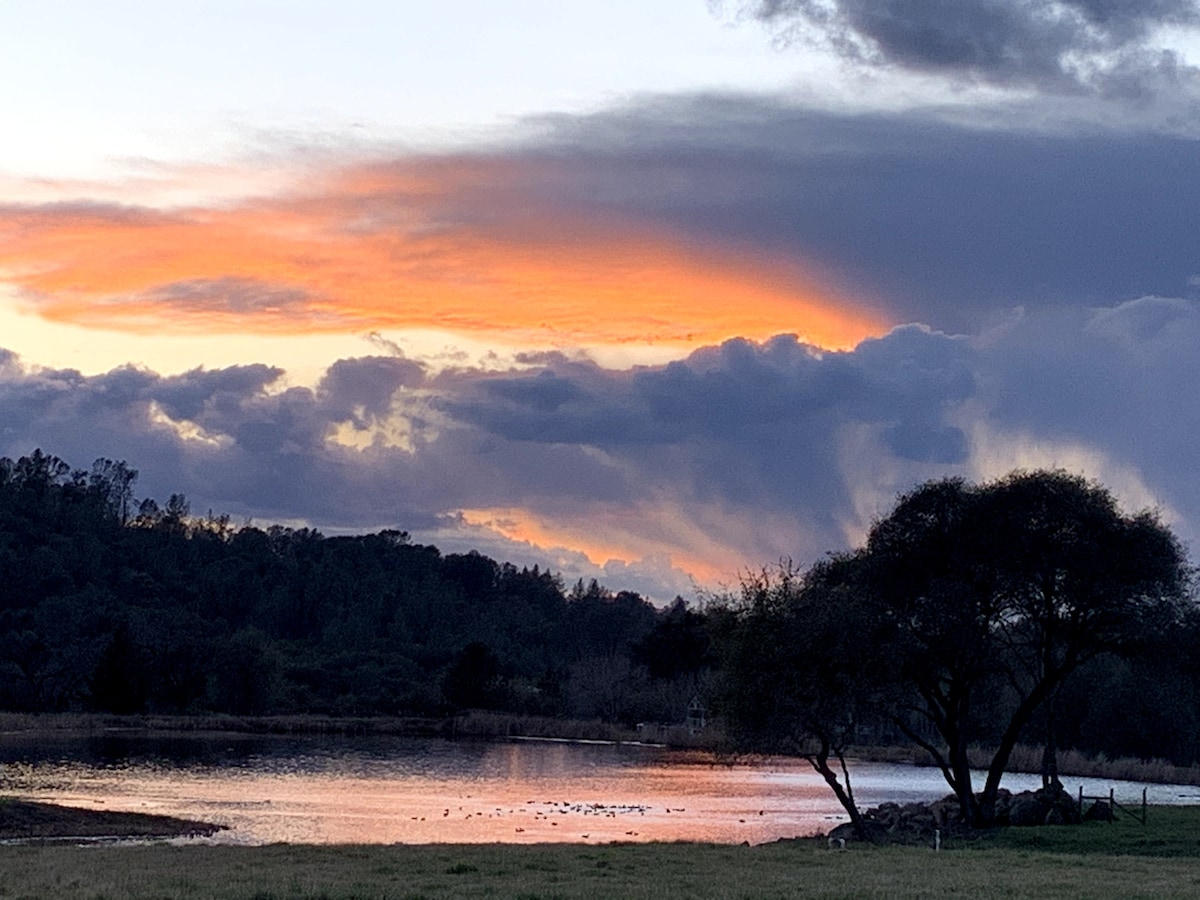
<point x="115" y="605"/>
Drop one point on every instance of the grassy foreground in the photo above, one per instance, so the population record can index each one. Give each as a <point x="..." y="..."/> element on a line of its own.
<point x="1125" y="859"/>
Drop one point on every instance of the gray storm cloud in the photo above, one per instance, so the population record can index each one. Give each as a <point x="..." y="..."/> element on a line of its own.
<point x="934" y="221"/>
<point x="776" y="431"/>
<point x="1061" y="45"/>
<point x="1054" y="269"/>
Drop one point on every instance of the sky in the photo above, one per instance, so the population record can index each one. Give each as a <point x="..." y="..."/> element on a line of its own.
<point x="653" y="293"/>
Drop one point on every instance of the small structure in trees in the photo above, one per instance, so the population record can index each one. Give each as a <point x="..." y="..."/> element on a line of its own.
<point x="697" y="716"/>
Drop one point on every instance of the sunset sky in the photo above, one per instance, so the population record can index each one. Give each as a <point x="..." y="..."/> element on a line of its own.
<point x="649" y="292"/>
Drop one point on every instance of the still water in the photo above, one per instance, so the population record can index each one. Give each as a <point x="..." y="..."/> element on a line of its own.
<point x="385" y="790"/>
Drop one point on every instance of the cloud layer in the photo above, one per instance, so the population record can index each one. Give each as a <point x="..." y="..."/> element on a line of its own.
<point x="686" y="220"/>
<point x="479" y="245"/>
<point x="1060" y="45"/>
<point x="735" y="456"/>
<point x="857" y="301"/>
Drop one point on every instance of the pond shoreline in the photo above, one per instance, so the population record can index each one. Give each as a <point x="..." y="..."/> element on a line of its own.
<point x="29" y="821"/>
<point x="489" y="726"/>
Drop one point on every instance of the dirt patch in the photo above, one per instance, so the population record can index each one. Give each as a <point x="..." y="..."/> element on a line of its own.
<point x="29" y="820"/>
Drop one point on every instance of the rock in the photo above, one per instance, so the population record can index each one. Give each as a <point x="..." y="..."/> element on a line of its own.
<point x="1062" y="805"/>
<point x="1004" y="799"/>
<point x="843" y="832"/>
<point x="946" y="811"/>
<point x="917" y="823"/>
<point x="875" y="832"/>
<point x="1026" y="809"/>
<point x="923" y="822"/>
<point x="1047" y="806"/>
<point x="1055" y="816"/>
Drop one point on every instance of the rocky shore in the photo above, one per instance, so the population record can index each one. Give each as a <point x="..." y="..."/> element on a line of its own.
<point x="921" y="823"/>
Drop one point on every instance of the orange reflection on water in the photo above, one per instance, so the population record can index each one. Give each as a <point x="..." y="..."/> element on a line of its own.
<point x="509" y="793"/>
<point x="431" y="791"/>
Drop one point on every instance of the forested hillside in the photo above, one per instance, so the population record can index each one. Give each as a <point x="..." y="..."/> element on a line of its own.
<point x="111" y="604"/>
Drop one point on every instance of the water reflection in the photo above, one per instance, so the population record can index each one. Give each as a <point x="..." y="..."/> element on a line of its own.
<point x="384" y="790"/>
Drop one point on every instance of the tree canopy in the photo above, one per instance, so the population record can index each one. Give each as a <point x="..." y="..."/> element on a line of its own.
<point x="981" y="600"/>
<point x="1011" y="585"/>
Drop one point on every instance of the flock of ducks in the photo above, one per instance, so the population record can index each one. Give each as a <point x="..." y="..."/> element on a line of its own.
<point x="551" y="809"/>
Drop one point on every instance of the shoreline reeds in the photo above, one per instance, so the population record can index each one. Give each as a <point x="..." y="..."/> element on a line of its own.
<point x="485" y="725"/>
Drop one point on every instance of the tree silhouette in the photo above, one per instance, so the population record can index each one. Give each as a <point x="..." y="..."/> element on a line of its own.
<point x="1016" y="582"/>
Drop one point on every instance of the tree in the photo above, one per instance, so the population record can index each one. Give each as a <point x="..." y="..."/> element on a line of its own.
<point x="1018" y="582"/>
<point x="119" y="684"/>
<point x="678" y="645"/>
<point x="473" y="679"/>
<point x="112" y="483"/>
<point x="801" y="668"/>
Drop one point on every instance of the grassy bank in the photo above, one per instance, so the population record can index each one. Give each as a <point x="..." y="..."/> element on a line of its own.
<point x="1161" y="859"/>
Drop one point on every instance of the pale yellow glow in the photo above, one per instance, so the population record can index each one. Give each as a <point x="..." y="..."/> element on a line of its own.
<point x="187" y="430"/>
<point x="709" y="541"/>
<point x="392" y="433"/>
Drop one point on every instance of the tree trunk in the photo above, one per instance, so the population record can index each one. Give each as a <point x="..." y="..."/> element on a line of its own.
<point x="820" y="762"/>
<point x="1050" y="749"/>
<point x="1020" y="718"/>
<point x="960" y="766"/>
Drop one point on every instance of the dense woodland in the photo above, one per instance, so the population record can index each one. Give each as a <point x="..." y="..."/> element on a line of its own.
<point x="113" y="604"/>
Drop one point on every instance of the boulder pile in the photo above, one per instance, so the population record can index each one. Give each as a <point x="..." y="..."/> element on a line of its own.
<point x="924" y="822"/>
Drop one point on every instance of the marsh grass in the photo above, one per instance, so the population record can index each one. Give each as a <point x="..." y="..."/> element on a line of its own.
<point x="1125" y="859"/>
<point x="1027" y="758"/>
<point x="101" y="723"/>
<point x="483" y="724"/>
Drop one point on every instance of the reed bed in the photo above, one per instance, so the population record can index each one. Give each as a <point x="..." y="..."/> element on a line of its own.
<point x="482" y="724"/>
<point x="1027" y="758"/>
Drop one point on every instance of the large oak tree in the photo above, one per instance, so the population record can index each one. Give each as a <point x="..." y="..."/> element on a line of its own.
<point x="1012" y="583"/>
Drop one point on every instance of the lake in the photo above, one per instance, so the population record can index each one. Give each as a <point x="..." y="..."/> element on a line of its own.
<point x="406" y="790"/>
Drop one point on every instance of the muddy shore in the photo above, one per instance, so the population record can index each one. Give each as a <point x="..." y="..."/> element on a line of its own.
<point x="27" y="820"/>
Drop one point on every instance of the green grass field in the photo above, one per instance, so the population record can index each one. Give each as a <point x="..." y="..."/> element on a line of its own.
<point x="1161" y="859"/>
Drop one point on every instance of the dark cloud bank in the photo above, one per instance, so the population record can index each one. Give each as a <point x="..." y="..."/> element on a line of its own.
<point x="1055" y="45"/>
<point x="1061" y="240"/>
<point x="928" y="218"/>
<point x="777" y="430"/>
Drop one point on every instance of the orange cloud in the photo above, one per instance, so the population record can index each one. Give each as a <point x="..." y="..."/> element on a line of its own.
<point x="713" y="543"/>
<point x="450" y="245"/>
<point x="609" y="534"/>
